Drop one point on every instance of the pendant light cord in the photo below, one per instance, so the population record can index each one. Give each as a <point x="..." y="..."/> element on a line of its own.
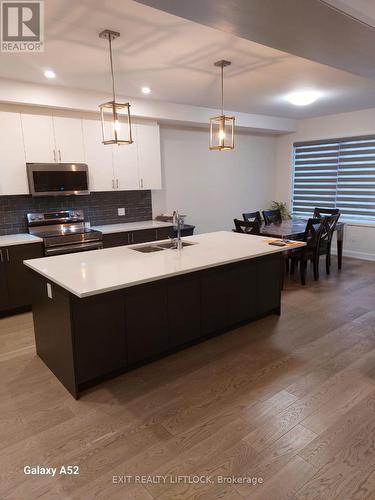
<point x="222" y="89"/>
<point x="112" y="73"/>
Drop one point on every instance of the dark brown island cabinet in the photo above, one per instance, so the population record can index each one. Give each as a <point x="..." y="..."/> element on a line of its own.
<point x="15" y="278"/>
<point x="86" y="340"/>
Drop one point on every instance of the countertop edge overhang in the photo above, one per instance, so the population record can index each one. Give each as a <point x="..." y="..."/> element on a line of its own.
<point x="9" y="240"/>
<point x="204" y="242"/>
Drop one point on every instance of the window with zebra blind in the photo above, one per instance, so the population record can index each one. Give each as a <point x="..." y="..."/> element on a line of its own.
<point x="335" y="173"/>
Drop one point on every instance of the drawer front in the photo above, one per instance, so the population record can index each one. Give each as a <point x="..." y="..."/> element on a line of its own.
<point x="116" y="240"/>
<point x="128" y="238"/>
<point x="143" y="236"/>
<point x="163" y="233"/>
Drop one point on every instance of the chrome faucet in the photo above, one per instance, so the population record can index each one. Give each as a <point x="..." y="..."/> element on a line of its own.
<point x="177" y="223"/>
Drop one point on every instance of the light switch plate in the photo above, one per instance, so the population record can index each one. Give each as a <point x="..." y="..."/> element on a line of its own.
<point x="121" y="211"/>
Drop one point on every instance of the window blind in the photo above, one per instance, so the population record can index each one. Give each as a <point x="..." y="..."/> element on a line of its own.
<point x="339" y="173"/>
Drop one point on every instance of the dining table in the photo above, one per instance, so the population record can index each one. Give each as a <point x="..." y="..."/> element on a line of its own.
<point x="294" y="229"/>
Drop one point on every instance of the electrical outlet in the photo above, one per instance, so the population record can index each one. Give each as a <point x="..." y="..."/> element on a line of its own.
<point x="121" y="211"/>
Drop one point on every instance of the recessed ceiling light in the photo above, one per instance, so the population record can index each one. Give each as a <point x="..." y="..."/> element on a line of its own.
<point x="303" y="98"/>
<point x="146" y="90"/>
<point x="49" y="74"/>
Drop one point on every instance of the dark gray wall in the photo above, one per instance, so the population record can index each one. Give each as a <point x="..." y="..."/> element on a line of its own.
<point x="100" y="208"/>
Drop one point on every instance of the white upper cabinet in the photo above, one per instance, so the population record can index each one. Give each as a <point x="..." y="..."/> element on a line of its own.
<point x="39" y="140"/>
<point x="98" y="157"/>
<point x="125" y="163"/>
<point x="33" y="138"/>
<point x="50" y="139"/>
<point x="13" y="177"/>
<point x="149" y="162"/>
<point x="69" y="140"/>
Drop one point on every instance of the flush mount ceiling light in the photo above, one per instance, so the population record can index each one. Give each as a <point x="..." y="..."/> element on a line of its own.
<point x="222" y="127"/>
<point x="115" y="117"/>
<point x="146" y="90"/>
<point x="303" y="97"/>
<point x="49" y="73"/>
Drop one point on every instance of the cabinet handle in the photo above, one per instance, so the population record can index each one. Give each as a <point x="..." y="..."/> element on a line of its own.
<point x="113" y="183"/>
<point x="60" y="155"/>
<point x="142" y="183"/>
<point x="128" y="238"/>
<point x="133" y="237"/>
<point x="7" y="254"/>
<point x="54" y="156"/>
<point x="117" y="183"/>
<point x="1" y="256"/>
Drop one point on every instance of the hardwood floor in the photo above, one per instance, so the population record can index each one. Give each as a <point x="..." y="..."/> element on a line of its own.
<point x="290" y="400"/>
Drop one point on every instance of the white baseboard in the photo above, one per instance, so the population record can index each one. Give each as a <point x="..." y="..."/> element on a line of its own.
<point x="357" y="255"/>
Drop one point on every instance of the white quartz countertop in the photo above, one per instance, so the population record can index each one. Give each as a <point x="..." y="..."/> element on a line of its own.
<point x="131" y="226"/>
<point x="99" y="271"/>
<point x="18" y="239"/>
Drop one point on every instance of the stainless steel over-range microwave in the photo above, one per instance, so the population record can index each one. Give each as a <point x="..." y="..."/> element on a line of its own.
<point x="58" y="179"/>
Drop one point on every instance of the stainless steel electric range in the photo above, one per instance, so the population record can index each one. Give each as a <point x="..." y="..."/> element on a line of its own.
<point x="63" y="232"/>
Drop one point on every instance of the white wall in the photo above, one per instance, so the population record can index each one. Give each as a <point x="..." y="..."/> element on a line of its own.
<point x="52" y="96"/>
<point x="213" y="187"/>
<point x="359" y="239"/>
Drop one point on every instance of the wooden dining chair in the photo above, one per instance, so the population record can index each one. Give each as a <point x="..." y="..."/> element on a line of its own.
<point x="251" y="216"/>
<point x="323" y="212"/>
<point x="326" y="238"/>
<point x="247" y="227"/>
<point x="315" y="229"/>
<point x="272" y="216"/>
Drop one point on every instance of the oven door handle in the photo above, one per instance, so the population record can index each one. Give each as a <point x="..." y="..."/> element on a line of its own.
<point x="95" y="245"/>
<point x="58" y="244"/>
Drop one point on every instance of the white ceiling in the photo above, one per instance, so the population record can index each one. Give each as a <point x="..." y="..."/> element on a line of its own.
<point x="175" y="58"/>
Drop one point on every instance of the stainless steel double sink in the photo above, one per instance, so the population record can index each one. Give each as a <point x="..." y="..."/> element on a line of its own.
<point x="158" y="247"/>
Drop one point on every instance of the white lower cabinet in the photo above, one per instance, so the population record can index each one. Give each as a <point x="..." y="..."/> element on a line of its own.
<point x="13" y="176"/>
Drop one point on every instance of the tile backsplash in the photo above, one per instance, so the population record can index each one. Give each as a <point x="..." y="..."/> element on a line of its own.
<point x="99" y="208"/>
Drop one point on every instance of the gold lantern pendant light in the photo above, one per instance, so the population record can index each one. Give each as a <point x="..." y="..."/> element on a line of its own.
<point x="222" y="127"/>
<point x="115" y="116"/>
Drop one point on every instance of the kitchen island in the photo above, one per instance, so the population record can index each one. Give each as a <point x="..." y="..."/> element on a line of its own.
<point x="100" y="313"/>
